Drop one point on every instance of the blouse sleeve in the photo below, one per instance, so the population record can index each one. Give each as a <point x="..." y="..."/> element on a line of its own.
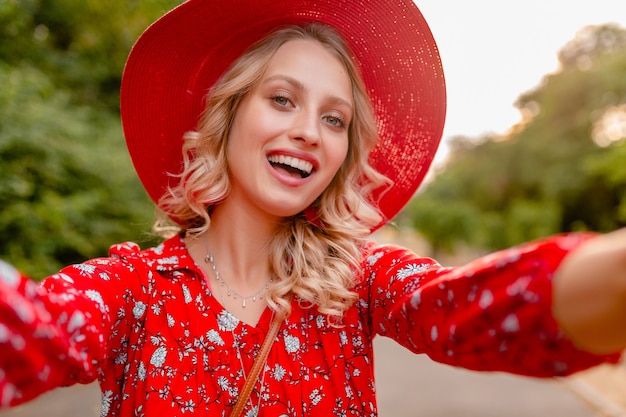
<point x="494" y="314"/>
<point x="54" y="333"/>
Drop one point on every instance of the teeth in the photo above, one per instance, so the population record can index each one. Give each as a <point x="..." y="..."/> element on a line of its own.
<point x="296" y="163"/>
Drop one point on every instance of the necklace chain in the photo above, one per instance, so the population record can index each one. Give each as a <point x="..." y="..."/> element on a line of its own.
<point x="229" y="291"/>
<point x="208" y="258"/>
<point x="237" y="340"/>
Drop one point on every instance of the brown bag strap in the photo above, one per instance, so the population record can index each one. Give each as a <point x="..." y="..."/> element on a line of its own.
<point x="258" y="364"/>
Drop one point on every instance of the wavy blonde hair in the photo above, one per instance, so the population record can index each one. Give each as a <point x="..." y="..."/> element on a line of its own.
<point x="316" y="261"/>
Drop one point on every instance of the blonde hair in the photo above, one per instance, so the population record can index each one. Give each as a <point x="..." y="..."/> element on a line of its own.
<point x="315" y="261"/>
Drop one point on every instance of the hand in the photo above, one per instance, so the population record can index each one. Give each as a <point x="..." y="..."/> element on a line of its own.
<point x="589" y="299"/>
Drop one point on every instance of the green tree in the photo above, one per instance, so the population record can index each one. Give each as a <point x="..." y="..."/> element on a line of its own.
<point x="553" y="173"/>
<point x="67" y="187"/>
<point x="80" y="44"/>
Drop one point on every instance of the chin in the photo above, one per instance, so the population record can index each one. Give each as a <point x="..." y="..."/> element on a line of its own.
<point x="288" y="213"/>
<point x="285" y="211"/>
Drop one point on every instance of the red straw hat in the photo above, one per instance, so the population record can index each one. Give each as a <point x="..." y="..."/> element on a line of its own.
<point x="179" y="57"/>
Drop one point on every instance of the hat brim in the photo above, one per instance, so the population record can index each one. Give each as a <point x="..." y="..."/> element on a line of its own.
<point x="179" y="57"/>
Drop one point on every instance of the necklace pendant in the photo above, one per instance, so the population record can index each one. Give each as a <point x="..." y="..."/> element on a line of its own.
<point x="243" y="302"/>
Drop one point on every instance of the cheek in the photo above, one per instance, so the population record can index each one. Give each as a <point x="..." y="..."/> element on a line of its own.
<point x="339" y="155"/>
<point x="241" y="131"/>
<point x="231" y="147"/>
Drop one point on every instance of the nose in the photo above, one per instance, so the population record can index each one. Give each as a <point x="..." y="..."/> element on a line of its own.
<point x="306" y="128"/>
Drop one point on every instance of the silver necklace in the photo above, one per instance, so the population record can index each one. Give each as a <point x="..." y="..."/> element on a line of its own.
<point x="237" y="340"/>
<point x="208" y="258"/>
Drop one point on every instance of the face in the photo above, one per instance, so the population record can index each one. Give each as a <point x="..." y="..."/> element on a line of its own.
<point x="290" y="133"/>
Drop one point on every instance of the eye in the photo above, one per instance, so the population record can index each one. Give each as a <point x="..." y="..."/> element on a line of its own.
<point x="281" y="100"/>
<point x="335" y="120"/>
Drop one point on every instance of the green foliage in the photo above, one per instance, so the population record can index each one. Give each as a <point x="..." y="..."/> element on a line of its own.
<point x="81" y="44"/>
<point x="549" y="175"/>
<point x="67" y="187"/>
<point x="609" y="170"/>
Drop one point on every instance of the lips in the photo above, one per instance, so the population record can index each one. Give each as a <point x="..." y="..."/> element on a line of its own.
<point x="291" y="165"/>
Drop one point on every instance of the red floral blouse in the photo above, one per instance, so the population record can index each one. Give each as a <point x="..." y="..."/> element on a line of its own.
<point x="147" y="326"/>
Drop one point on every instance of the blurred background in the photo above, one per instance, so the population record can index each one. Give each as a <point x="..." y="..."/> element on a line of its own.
<point x="535" y="144"/>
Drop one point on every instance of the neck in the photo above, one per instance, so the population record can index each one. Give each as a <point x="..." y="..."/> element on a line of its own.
<point x="238" y="241"/>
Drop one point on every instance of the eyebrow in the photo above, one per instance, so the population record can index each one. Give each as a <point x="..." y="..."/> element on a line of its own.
<point x="301" y="87"/>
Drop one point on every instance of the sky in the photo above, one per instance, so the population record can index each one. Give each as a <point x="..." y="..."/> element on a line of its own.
<point x="495" y="50"/>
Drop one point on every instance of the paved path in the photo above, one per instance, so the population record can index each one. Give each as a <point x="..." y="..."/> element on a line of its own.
<point x="411" y="386"/>
<point x="408" y="386"/>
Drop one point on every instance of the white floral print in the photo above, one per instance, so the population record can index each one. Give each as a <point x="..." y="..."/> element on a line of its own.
<point x="159" y="356"/>
<point x="139" y="309"/>
<point x="292" y="344"/>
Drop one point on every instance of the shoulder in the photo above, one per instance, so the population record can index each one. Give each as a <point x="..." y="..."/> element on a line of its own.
<point x="127" y="259"/>
<point x="383" y="265"/>
<point x="376" y="255"/>
<point x="169" y="255"/>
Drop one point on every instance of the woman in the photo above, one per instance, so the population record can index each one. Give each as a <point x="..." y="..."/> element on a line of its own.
<point x="273" y="198"/>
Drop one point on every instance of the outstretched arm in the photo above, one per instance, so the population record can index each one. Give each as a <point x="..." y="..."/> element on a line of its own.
<point x="55" y="333"/>
<point x="495" y="313"/>
<point x="590" y="294"/>
<point x="46" y="339"/>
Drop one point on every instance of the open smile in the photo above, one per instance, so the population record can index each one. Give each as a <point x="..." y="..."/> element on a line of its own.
<point x="291" y="165"/>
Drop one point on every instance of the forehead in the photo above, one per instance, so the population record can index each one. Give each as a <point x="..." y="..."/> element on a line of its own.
<point x="313" y="64"/>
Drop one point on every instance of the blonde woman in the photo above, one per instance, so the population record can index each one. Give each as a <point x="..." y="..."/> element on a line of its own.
<point x="275" y="137"/>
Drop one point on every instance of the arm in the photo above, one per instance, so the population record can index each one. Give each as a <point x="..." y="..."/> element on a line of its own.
<point x="493" y="314"/>
<point x="47" y="339"/>
<point x="55" y="333"/>
<point x="590" y="294"/>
